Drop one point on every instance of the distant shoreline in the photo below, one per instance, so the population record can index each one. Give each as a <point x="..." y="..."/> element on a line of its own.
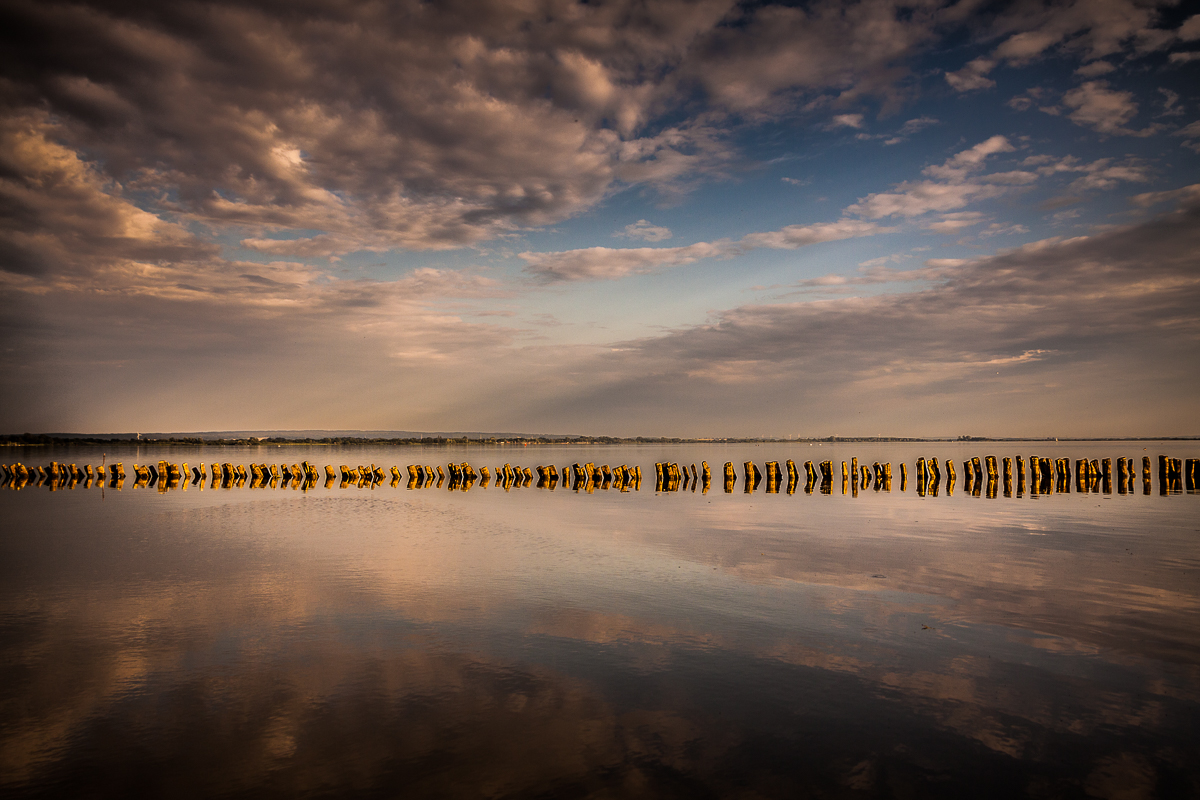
<point x="45" y="440"/>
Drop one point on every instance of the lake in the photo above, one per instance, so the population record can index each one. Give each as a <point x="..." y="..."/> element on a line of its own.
<point x="378" y="640"/>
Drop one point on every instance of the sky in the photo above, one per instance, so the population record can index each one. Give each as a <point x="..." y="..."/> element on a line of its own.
<point x="695" y="219"/>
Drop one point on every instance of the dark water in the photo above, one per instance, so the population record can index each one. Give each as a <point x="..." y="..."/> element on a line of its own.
<point x="385" y="642"/>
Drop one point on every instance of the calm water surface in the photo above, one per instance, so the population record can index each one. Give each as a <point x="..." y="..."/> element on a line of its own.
<point x="530" y="643"/>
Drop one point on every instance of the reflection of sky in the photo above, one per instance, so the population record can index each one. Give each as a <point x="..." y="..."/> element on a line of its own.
<point x="612" y="635"/>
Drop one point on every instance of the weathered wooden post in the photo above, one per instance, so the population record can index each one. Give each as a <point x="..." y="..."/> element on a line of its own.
<point x="903" y="476"/>
<point x="752" y="476"/>
<point x="826" y="477"/>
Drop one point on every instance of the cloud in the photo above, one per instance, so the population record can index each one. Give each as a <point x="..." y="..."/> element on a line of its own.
<point x="645" y="231"/>
<point x="846" y="121"/>
<point x="794" y="236"/>
<point x="1189" y="31"/>
<point x="431" y="126"/>
<point x="1184" y="58"/>
<point x="764" y="57"/>
<point x="1171" y="107"/>
<point x="973" y="76"/>
<point x="608" y="263"/>
<point x="957" y="186"/>
<point x="1188" y="195"/>
<point x="410" y="128"/>
<point x="1088" y="30"/>
<point x="917" y="125"/>
<point x="1116" y="310"/>
<point x="1033" y="97"/>
<point x="1103" y="174"/>
<point x="100" y="296"/>
<point x="951" y="223"/>
<point x="1095" y="69"/>
<point x="916" y="198"/>
<point x="1191" y="132"/>
<point x="999" y="229"/>
<point x="970" y="160"/>
<point x="1104" y="110"/>
<point x="910" y="128"/>
<point x="875" y="272"/>
<point x="65" y="220"/>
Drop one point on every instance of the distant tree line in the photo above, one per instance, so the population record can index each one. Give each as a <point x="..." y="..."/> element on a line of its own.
<point x="44" y="439"/>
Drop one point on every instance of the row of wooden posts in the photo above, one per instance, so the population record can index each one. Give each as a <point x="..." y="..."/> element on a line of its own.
<point x="166" y="475"/>
<point x="988" y="475"/>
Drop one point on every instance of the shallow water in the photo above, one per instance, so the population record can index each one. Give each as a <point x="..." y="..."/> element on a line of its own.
<point x="390" y="641"/>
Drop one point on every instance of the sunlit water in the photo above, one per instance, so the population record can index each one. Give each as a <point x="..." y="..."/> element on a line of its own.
<point x="396" y="642"/>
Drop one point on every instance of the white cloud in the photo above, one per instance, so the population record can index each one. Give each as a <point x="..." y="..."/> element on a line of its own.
<point x="1103" y="175"/>
<point x="913" y="198"/>
<point x="1095" y="69"/>
<point x="910" y="128"/>
<point x="846" y="121"/>
<point x="970" y="160"/>
<point x="1188" y="195"/>
<point x="1011" y="178"/>
<point x="608" y="263"/>
<point x="645" y="231"/>
<point x="952" y="223"/>
<point x="794" y="236"/>
<point x="958" y="184"/>
<point x="884" y="260"/>
<point x="1104" y="110"/>
<point x="973" y="76"/>
<point x="917" y="125"/>
<point x="999" y="229"/>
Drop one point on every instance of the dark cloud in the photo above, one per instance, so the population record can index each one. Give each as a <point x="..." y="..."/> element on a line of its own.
<point x="420" y="125"/>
